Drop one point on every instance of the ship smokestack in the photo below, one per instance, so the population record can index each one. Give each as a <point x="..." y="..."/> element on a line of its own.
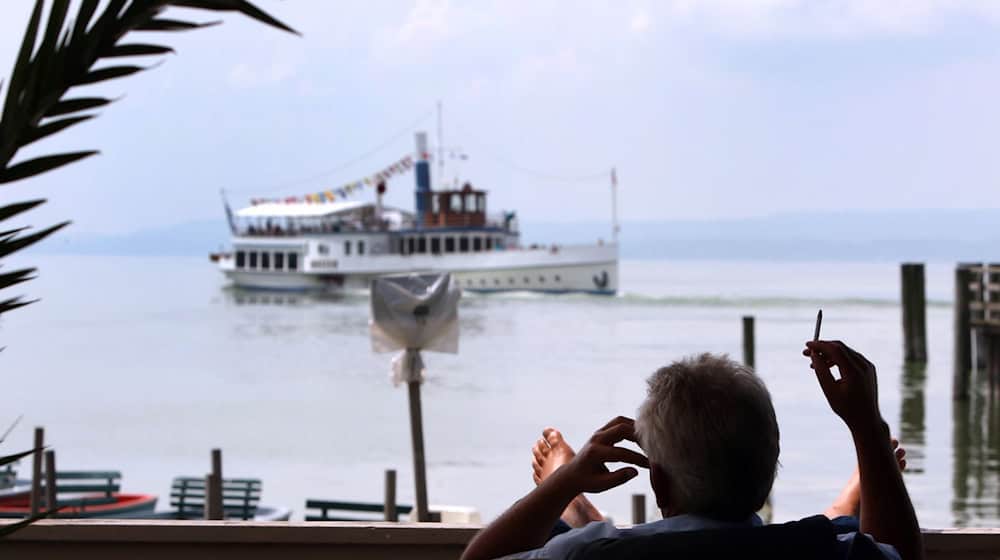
<point x="423" y="175"/>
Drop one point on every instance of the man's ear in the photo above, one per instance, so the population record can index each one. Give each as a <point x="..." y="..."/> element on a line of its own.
<point x="661" y="485"/>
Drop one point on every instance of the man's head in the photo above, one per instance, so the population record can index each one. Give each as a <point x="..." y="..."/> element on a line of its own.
<point x="709" y="430"/>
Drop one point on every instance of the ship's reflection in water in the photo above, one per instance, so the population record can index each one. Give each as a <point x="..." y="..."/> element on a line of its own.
<point x="976" y="449"/>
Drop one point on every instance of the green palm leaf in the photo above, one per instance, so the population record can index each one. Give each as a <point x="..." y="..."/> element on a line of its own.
<point x="53" y="60"/>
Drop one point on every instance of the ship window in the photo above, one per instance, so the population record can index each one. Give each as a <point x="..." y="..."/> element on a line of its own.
<point x="463" y="244"/>
<point x="449" y="244"/>
<point x="510" y="280"/>
<point x="541" y="279"/>
<point x="489" y="243"/>
<point x="481" y="203"/>
<point x="477" y="244"/>
<point x="361" y="247"/>
<point x="435" y="205"/>
<point x="558" y="279"/>
<point x="293" y="261"/>
<point x="470" y="203"/>
<point x="421" y="244"/>
<point x="241" y="259"/>
<point x="482" y="281"/>
<point x="436" y="245"/>
<point x="499" y="242"/>
<point x="323" y="249"/>
<point x="347" y="248"/>
<point x="279" y="261"/>
<point x="525" y="279"/>
<point x="411" y="245"/>
<point x="496" y="281"/>
<point x="265" y="261"/>
<point x="456" y="202"/>
<point x="253" y="259"/>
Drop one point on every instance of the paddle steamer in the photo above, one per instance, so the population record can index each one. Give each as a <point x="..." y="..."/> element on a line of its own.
<point x="333" y="246"/>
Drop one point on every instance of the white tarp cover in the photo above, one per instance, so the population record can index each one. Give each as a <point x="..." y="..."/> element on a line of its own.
<point x="414" y="312"/>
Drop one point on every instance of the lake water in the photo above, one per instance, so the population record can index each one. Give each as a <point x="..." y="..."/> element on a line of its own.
<point x="145" y="364"/>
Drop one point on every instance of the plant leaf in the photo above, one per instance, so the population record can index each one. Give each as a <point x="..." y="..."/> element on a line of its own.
<point x="74" y="105"/>
<point x="38" y="132"/>
<point x="246" y="8"/>
<point x="14" y="303"/>
<point x="21" y="67"/>
<point x="109" y="73"/>
<point x="11" y="278"/>
<point x="22" y="242"/>
<point x="11" y="428"/>
<point x="8" y="459"/>
<point x="163" y="24"/>
<point x="12" y="210"/>
<point x="137" y="50"/>
<point x="41" y="165"/>
<point x="83" y="15"/>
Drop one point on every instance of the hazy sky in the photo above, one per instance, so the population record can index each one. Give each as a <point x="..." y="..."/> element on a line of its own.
<point x="713" y="108"/>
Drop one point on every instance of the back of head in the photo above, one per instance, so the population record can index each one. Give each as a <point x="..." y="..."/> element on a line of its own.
<point x="708" y="424"/>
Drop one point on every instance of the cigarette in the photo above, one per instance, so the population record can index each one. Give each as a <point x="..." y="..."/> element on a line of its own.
<point x="819" y="322"/>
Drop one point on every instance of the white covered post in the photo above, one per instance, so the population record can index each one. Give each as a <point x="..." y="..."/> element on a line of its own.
<point x="411" y="313"/>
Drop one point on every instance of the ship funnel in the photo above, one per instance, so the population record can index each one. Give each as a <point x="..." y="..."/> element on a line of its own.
<point x="423" y="176"/>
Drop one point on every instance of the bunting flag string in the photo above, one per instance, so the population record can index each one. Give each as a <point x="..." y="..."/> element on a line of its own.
<point x="399" y="167"/>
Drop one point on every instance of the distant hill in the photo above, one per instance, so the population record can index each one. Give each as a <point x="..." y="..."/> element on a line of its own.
<point x="904" y="235"/>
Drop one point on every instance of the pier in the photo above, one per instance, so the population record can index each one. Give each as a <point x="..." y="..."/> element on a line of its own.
<point x="977" y="324"/>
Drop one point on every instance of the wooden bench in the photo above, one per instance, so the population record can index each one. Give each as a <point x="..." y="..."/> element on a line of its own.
<point x="325" y="507"/>
<point x="240" y="497"/>
<point x="101" y="485"/>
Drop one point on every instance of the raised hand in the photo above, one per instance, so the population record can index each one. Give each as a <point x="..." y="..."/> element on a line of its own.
<point x="853" y="397"/>
<point x="587" y="472"/>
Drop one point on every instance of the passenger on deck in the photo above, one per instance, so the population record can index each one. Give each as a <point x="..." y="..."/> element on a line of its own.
<point x="710" y="434"/>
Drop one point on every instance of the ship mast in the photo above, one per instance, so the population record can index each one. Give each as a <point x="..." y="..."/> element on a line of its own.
<point x="614" y="206"/>
<point x="440" y="141"/>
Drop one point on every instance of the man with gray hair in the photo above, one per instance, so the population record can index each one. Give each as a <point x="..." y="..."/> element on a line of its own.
<point x="710" y="436"/>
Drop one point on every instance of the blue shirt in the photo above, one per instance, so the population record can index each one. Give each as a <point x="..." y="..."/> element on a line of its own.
<point x="560" y="546"/>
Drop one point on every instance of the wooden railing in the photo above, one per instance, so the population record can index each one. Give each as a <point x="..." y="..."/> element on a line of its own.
<point x="240" y="540"/>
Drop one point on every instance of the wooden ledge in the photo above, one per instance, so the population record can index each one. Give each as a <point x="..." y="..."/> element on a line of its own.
<point x="313" y="532"/>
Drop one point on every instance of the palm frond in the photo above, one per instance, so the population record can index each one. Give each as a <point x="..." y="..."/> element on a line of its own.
<point x="65" y="53"/>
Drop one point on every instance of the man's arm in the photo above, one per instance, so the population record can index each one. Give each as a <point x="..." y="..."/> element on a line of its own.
<point x="527" y="524"/>
<point x="886" y="511"/>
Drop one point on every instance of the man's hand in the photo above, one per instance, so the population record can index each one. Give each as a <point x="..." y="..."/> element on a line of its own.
<point x="854" y="397"/>
<point x="587" y="473"/>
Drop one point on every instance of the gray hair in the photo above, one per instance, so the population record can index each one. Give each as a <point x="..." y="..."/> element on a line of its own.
<point x="708" y="424"/>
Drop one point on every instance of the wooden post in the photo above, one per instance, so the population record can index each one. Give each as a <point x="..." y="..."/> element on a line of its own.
<point x="213" y="488"/>
<point x="417" y="435"/>
<point x="638" y="509"/>
<point x="390" y="496"/>
<point x="962" y="369"/>
<point x="914" y="313"/>
<point x="748" y="341"/>
<point x="36" y="471"/>
<point x="50" y="481"/>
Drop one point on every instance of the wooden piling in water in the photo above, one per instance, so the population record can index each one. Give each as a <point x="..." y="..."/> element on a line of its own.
<point x="213" y="488"/>
<point x="390" y="496"/>
<point x="638" y="509"/>
<point x="914" y="303"/>
<point x="50" y="481"/>
<point x="36" y="471"/>
<point x="962" y="365"/>
<point x="748" y="341"/>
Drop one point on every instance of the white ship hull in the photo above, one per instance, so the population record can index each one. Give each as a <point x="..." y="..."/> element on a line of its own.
<point x="563" y="269"/>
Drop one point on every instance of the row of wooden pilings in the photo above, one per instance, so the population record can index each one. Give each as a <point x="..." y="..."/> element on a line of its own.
<point x="43" y="496"/>
<point x="976" y="322"/>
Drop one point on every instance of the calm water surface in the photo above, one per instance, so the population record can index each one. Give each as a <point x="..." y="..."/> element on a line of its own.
<point x="144" y="364"/>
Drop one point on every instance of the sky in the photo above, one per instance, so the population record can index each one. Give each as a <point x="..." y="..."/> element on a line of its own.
<point x="711" y="109"/>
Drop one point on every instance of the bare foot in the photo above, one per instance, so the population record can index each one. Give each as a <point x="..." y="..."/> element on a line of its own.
<point x="551" y="452"/>
<point x="849" y="500"/>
